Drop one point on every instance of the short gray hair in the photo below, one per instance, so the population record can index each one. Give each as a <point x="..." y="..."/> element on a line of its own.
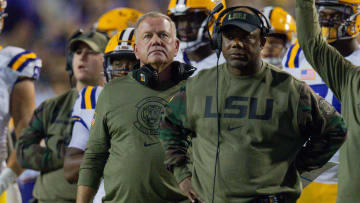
<point x="155" y="14"/>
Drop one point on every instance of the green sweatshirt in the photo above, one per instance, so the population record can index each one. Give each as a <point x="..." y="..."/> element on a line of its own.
<point x="343" y="78"/>
<point x="265" y="121"/>
<point x="124" y="147"/>
<point x="51" y="122"/>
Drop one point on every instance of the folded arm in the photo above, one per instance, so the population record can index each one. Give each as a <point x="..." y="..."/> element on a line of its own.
<point x="175" y="137"/>
<point x="29" y="152"/>
<point x="323" y="127"/>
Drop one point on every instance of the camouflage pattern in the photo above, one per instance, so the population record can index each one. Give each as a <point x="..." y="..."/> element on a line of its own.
<point x="326" y="128"/>
<point x="51" y="122"/>
<point x="314" y="122"/>
<point x="176" y="142"/>
<point x="342" y="77"/>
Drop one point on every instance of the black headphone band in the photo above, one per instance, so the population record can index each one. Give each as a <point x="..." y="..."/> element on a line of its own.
<point x="265" y="28"/>
<point x="216" y="39"/>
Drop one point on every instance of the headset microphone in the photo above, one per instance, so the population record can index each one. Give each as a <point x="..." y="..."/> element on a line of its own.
<point x="216" y="10"/>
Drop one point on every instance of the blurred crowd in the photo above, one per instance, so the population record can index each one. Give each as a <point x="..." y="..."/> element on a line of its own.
<point x="43" y="26"/>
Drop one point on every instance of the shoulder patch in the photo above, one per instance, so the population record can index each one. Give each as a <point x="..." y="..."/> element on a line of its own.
<point x="308" y="74"/>
<point x="88" y="97"/>
<point x="292" y="56"/>
<point x="93" y="120"/>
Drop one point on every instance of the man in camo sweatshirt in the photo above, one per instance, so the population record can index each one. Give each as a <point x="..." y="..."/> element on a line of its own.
<point x="268" y="128"/>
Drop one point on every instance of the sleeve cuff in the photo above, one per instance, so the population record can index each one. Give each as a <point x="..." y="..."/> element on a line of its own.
<point x="88" y="177"/>
<point x="181" y="173"/>
<point x="304" y="3"/>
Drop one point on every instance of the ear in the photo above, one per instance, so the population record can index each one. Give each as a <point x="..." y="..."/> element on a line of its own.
<point x="262" y="41"/>
<point x="136" y="52"/>
<point x="102" y="58"/>
<point x="177" y="45"/>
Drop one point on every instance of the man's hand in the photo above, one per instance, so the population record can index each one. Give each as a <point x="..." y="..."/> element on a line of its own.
<point x="85" y="194"/>
<point x="188" y="190"/>
<point x="7" y="178"/>
<point x="72" y="162"/>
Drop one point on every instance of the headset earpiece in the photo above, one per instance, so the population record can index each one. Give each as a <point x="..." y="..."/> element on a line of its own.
<point x="181" y="71"/>
<point x="148" y="76"/>
<point x="216" y="38"/>
<point x="69" y="53"/>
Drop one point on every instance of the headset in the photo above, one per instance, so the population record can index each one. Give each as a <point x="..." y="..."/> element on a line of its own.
<point x="216" y="39"/>
<point x="148" y="76"/>
<point x="69" y="53"/>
